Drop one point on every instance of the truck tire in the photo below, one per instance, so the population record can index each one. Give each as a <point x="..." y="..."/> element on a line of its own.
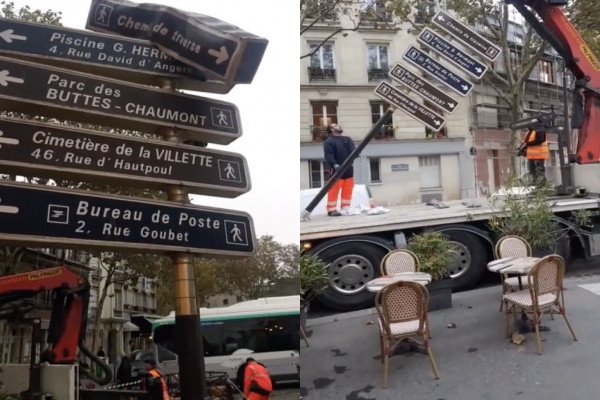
<point x="351" y="265"/>
<point x="471" y="259"/>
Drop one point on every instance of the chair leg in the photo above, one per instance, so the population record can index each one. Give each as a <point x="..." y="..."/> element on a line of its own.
<point x="381" y="346"/>
<point x="385" y="363"/>
<point x="538" y="339"/>
<point x="564" y="314"/>
<point x="432" y="361"/>
<point x="507" y="312"/>
<point x="304" y="337"/>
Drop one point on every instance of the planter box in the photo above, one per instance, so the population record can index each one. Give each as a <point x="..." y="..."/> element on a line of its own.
<point x="440" y="294"/>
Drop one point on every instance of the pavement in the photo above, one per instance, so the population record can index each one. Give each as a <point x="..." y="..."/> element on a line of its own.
<point x="475" y="359"/>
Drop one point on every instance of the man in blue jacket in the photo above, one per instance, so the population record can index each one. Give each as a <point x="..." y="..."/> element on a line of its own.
<point x="337" y="148"/>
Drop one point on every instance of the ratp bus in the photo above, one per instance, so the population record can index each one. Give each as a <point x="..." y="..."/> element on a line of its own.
<point x="265" y="329"/>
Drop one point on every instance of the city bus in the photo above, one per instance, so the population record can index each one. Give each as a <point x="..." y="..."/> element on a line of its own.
<point x="266" y="329"/>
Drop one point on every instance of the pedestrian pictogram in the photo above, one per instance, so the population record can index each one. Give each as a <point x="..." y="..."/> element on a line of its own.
<point x="229" y="171"/>
<point x="103" y="12"/>
<point x="221" y="118"/>
<point x="236" y="233"/>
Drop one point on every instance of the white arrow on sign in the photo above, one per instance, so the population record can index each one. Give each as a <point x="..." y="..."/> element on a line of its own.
<point x="220" y="55"/>
<point x="8" y="36"/>
<point x="4" y="140"/>
<point x="5" y="78"/>
<point x="451" y="105"/>
<point x="479" y="70"/>
<point x="465" y="87"/>
<point x="440" y="17"/>
<point x="9" y="209"/>
<point x="436" y="122"/>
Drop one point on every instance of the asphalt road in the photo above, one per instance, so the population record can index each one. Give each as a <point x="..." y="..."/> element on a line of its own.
<point x="474" y="357"/>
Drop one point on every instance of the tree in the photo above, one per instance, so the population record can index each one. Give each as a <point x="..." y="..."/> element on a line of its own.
<point x="584" y="15"/>
<point x="357" y="12"/>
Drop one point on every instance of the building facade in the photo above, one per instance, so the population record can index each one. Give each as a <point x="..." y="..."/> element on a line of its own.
<point x="406" y="162"/>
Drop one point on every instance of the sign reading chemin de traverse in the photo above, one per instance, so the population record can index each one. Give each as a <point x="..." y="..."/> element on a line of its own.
<point x="206" y="43"/>
<point x="55" y="151"/>
<point x="116" y="56"/>
<point x="36" y="214"/>
<point x="35" y="88"/>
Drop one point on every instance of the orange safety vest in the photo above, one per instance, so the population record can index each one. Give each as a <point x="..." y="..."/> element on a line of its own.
<point x="155" y="374"/>
<point x="537" y="152"/>
<point x="257" y="380"/>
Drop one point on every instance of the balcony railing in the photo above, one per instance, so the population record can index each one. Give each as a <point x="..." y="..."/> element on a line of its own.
<point x="321" y="74"/>
<point x="378" y="74"/>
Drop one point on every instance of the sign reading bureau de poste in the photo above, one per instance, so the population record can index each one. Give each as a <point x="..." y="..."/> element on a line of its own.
<point x="123" y="58"/>
<point x="37" y="89"/>
<point x="41" y="215"/>
<point x="213" y="46"/>
<point x="49" y="150"/>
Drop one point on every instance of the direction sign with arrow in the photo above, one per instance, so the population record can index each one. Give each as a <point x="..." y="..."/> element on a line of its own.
<point x="452" y="53"/>
<point x="213" y="46"/>
<point x="34" y="88"/>
<point x="50" y="217"/>
<point x="119" y="57"/>
<point x="437" y="70"/>
<point x="54" y="151"/>
<point x="411" y="107"/>
<point x="423" y="88"/>
<point x="466" y="35"/>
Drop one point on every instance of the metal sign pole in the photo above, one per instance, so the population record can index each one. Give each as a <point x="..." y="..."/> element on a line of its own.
<point x="192" y="376"/>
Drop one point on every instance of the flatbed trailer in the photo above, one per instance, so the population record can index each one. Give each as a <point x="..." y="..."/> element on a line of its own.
<point x="354" y="245"/>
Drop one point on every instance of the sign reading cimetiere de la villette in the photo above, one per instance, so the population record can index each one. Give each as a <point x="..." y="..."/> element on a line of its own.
<point x="213" y="46"/>
<point x="56" y="151"/>
<point x="60" y="93"/>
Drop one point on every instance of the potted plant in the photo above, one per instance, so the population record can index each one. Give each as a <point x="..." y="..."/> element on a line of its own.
<point x="526" y="212"/>
<point x="313" y="280"/>
<point x="435" y="253"/>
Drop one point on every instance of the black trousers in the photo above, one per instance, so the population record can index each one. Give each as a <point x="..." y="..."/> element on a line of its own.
<point x="537" y="170"/>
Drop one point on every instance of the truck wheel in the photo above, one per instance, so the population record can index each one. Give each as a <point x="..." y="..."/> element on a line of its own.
<point x="470" y="259"/>
<point x="351" y="265"/>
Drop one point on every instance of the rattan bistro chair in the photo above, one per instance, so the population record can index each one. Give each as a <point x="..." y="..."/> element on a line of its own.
<point x="545" y="293"/>
<point x="512" y="246"/>
<point x="400" y="260"/>
<point x="402" y="310"/>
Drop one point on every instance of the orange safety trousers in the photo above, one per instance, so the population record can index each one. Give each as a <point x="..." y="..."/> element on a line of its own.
<point x="345" y="186"/>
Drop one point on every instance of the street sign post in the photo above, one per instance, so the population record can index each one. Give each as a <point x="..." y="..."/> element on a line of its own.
<point x="422" y="61"/>
<point x="55" y="151"/>
<point x="411" y="107"/>
<point x="43" y="216"/>
<point x="40" y="90"/>
<point x="459" y="58"/>
<point x="127" y="59"/>
<point x="213" y="46"/>
<point x="466" y="35"/>
<point x="423" y="88"/>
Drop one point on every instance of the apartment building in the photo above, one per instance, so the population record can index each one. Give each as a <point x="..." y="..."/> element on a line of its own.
<point x="406" y="162"/>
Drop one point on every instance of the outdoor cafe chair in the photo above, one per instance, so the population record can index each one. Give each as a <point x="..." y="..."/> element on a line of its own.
<point x="512" y="246"/>
<point x="400" y="260"/>
<point x="544" y="293"/>
<point x="402" y="311"/>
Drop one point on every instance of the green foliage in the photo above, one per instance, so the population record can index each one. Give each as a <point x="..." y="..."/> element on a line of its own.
<point x="7" y="10"/>
<point x="525" y="211"/>
<point x="435" y="253"/>
<point x="313" y="275"/>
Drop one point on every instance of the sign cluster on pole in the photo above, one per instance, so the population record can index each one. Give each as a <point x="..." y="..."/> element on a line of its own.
<point x="110" y="79"/>
<point x="442" y="74"/>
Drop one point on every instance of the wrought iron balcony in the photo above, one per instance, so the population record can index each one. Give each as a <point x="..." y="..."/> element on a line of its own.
<point x="321" y="74"/>
<point x="377" y="74"/>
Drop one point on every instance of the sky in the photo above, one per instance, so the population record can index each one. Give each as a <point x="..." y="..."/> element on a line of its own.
<point x="268" y="107"/>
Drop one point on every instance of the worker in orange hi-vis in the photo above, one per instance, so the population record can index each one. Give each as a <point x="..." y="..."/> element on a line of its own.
<point x="535" y="148"/>
<point x="257" y="382"/>
<point x="337" y="148"/>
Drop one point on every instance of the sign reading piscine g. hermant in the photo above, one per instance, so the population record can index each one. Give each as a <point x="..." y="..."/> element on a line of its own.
<point x="119" y="57"/>
<point x="41" y="215"/>
<point x="53" y="151"/>
<point x="206" y="43"/>
<point x="54" y="92"/>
